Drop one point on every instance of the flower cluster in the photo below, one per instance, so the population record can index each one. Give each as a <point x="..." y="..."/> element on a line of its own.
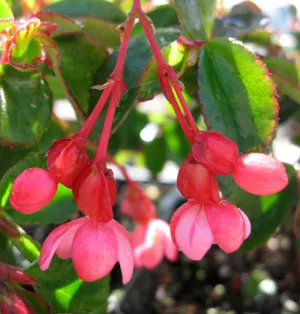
<point x="96" y="242"/>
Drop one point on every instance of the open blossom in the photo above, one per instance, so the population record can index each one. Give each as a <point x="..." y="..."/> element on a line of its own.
<point x="95" y="247"/>
<point x="196" y="226"/>
<point x="151" y="242"/>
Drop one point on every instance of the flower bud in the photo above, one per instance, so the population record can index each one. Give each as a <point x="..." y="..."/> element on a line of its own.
<point x="95" y="192"/>
<point x="195" y="182"/>
<point x="66" y="159"/>
<point x="215" y="152"/>
<point x="32" y="190"/>
<point x="137" y="204"/>
<point x="260" y="174"/>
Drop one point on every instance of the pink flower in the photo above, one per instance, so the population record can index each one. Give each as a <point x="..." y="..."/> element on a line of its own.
<point x="150" y="242"/>
<point x="196" y="226"/>
<point x="95" y="247"/>
<point x="32" y="190"/>
<point x="260" y="174"/>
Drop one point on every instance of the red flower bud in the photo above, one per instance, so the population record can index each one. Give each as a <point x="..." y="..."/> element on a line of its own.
<point x="66" y="159"/>
<point x="215" y="152"/>
<point x="32" y="190"/>
<point x="95" y="192"/>
<point x="137" y="204"/>
<point x="260" y="174"/>
<point x="195" y="182"/>
<point x="13" y="274"/>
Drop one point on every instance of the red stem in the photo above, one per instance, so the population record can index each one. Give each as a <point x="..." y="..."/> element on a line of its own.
<point x="103" y="143"/>
<point x="91" y="120"/>
<point x="121" y="168"/>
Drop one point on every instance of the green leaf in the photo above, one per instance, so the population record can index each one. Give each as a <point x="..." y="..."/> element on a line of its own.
<point x="237" y="95"/>
<point x="64" y="24"/>
<point x="34" y="160"/>
<point x="101" y="30"/>
<point x="86" y="8"/>
<point x="60" y="286"/>
<point x="6" y="16"/>
<point x="6" y="251"/>
<point x="196" y="17"/>
<point x="61" y="208"/>
<point x="266" y="213"/>
<point x="156" y="155"/>
<point x="77" y="70"/>
<point x="25" y="106"/>
<point x="286" y="74"/>
<point x="139" y="54"/>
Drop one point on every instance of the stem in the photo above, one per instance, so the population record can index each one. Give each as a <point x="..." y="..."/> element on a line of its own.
<point x="181" y="119"/>
<point x="103" y="143"/>
<point x="162" y="64"/>
<point x="91" y="120"/>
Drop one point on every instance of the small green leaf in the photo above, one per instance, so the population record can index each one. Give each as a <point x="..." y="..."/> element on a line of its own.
<point x="286" y="74"/>
<point x="77" y="70"/>
<point x="6" y="16"/>
<point x="86" y="8"/>
<point x="266" y="212"/>
<point x="196" y="17"/>
<point x="237" y="95"/>
<point x="61" y="208"/>
<point x="60" y="286"/>
<point x="34" y="160"/>
<point x="25" y="106"/>
<point x="101" y="30"/>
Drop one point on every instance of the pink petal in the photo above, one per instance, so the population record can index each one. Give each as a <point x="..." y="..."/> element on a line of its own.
<point x="32" y="190"/>
<point x="247" y="224"/>
<point x="192" y="232"/>
<point x="94" y="250"/>
<point x="125" y="254"/>
<point x="227" y="225"/>
<point x="150" y="257"/>
<point x="260" y="174"/>
<point x="56" y="238"/>
<point x="170" y="249"/>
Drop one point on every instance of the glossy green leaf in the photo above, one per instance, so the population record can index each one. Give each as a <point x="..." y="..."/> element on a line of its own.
<point x="77" y="70"/>
<point x="101" y="30"/>
<point x="92" y="8"/>
<point x="196" y="17"/>
<point x="61" y="208"/>
<point x="25" y="106"/>
<point x="6" y="16"/>
<point x="286" y="74"/>
<point x="139" y="54"/>
<point x="60" y="286"/>
<point x="237" y="95"/>
<point x="266" y="213"/>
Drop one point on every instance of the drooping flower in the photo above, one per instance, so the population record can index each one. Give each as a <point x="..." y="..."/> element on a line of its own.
<point x="151" y="242"/>
<point x="260" y="174"/>
<point x="215" y="152"/>
<point x="95" y="247"/>
<point x="32" y="190"/>
<point x="66" y="158"/>
<point x="137" y="204"/>
<point x="196" y="226"/>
